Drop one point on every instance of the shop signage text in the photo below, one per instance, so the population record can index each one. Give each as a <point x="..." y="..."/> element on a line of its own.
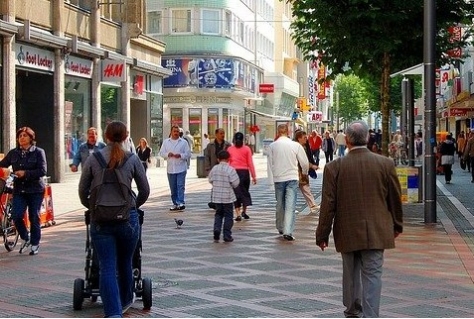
<point x="78" y="67"/>
<point x="114" y="71"/>
<point x="266" y="88"/>
<point x="197" y="99"/>
<point x="315" y="117"/>
<point x="34" y="58"/>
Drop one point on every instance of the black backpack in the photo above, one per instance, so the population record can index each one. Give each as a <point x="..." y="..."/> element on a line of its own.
<point x="111" y="196"/>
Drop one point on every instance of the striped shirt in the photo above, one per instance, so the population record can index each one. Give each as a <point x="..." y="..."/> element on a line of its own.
<point x="224" y="179"/>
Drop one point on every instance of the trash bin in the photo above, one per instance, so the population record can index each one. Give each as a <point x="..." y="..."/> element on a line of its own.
<point x="200" y="167"/>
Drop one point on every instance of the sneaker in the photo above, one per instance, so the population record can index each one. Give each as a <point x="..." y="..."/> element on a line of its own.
<point x="217" y="235"/>
<point x="25" y="245"/>
<point x="174" y="208"/>
<point x="245" y="216"/>
<point x="34" y="250"/>
<point x="126" y="307"/>
<point x="181" y="207"/>
<point x="238" y="218"/>
<point x="229" y="240"/>
<point x="289" y="237"/>
<point x="280" y="232"/>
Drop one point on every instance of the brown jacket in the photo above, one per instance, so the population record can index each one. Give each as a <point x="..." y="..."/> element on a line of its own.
<point x="210" y="156"/>
<point x="469" y="149"/>
<point x="361" y="195"/>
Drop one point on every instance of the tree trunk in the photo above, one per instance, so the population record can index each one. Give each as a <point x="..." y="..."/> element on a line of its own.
<point x="385" y="103"/>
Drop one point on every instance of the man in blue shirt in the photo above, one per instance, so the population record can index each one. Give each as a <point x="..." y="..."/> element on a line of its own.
<point x="86" y="148"/>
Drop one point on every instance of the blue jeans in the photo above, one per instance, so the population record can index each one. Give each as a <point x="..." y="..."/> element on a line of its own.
<point x="362" y="282"/>
<point x="342" y="149"/>
<point x="285" y="194"/>
<point x="177" y="182"/>
<point x="33" y="201"/>
<point x="224" y="212"/>
<point x="315" y="154"/>
<point x="114" y="245"/>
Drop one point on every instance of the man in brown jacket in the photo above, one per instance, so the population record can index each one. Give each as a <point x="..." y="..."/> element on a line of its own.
<point x="361" y="195"/>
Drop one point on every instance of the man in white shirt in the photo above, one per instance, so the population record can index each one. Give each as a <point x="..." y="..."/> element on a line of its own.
<point x="176" y="151"/>
<point x="341" y="142"/>
<point x="284" y="155"/>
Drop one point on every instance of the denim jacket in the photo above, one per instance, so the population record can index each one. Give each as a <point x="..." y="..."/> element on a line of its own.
<point x="83" y="153"/>
<point x="33" y="162"/>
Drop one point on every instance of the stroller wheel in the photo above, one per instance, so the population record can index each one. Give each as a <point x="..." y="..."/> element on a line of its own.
<point x="147" y="293"/>
<point x="78" y="294"/>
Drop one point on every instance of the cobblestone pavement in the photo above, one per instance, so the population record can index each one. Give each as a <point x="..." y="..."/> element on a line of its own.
<point x="429" y="274"/>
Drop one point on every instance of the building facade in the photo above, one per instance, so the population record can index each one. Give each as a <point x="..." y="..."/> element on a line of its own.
<point x="219" y="53"/>
<point x="69" y="65"/>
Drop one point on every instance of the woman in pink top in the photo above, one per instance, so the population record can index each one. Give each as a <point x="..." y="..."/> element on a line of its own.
<point x="241" y="160"/>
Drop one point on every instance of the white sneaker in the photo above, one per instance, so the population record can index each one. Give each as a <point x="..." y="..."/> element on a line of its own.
<point x="25" y="244"/>
<point x="34" y="250"/>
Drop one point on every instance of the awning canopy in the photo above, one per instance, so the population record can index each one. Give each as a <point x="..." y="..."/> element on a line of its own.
<point x="416" y="69"/>
<point x="275" y="117"/>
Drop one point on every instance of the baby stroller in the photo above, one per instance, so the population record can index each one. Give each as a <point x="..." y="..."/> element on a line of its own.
<point x="89" y="288"/>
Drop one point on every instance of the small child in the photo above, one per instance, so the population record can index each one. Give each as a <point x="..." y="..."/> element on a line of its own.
<point x="224" y="179"/>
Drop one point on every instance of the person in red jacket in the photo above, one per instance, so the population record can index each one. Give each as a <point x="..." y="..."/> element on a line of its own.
<point x="315" y="142"/>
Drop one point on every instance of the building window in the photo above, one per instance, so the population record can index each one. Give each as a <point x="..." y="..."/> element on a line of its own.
<point x="110" y="105"/>
<point x="212" y="122"/>
<point x="210" y="22"/>
<point x="180" y="21"/>
<point x="228" y="23"/>
<point x="155" y="22"/>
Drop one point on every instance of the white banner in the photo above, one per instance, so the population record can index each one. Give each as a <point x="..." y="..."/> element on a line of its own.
<point x="34" y="58"/>
<point x="114" y="71"/>
<point x="78" y="67"/>
<point x="315" y="117"/>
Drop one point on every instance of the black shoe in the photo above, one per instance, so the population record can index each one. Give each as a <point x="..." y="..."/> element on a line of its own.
<point x="211" y="205"/>
<point x="245" y="216"/>
<point x="238" y="218"/>
<point x="181" y="207"/>
<point x="280" y="232"/>
<point x="289" y="237"/>
<point x="472" y="180"/>
<point x="174" y="208"/>
<point x="229" y="240"/>
<point x="217" y="235"/>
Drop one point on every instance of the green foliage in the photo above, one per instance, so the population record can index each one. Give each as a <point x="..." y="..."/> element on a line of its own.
<point x="352" y="98"/>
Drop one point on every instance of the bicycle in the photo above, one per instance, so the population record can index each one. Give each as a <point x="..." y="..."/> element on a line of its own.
<point x="9" y="232"/>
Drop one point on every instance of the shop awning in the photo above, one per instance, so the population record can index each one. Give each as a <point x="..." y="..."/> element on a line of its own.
<point x="275" y="117"/>
<point x="416" y="69"/>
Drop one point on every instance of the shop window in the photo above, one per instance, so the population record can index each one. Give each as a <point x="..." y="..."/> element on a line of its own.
<point x="210" y="22"/>
<point x="176" y="117"/>
<point x="195" y="123"/>
<point x="212" y="122"/>
<point x="110" y="105"/>
<point x="77" y="115"/>
<point x="156" y="122"/>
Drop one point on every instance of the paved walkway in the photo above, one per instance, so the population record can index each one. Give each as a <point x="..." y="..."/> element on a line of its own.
<point x="429" y="274"/>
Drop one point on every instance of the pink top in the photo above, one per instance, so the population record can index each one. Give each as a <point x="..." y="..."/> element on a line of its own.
<point x="241" y="158"/>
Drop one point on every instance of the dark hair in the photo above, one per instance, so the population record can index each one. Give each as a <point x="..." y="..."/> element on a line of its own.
<point x="28" y="131"/>
<point x="299" y="134"/>
<point x="223" y="155"/>
<point x="116" y="133"/>
<point x="238" y="139"/>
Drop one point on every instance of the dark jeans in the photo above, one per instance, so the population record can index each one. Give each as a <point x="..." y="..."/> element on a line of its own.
<point x="115" y="244"/>
<point x="447" y="172"/>
<point x="33" y="202"/>
<point x="329" y="156"/>
<point x="224" y="212"/>
<point x="315" y="154"/>
<point x="242" y="191"/>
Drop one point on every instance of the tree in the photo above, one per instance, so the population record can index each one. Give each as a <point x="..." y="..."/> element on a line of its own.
<point x="372" y="38"/>
<point x="352" y="98"/>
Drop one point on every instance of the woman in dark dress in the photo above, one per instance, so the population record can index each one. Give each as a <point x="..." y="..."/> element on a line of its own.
<point x="144" y="152"/>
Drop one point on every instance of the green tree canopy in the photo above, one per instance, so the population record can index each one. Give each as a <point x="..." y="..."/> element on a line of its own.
<point x="373" y="38"/>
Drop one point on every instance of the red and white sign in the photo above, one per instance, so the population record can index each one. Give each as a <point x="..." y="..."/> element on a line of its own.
<point x="321" y="85"/>
<point x="315" y="117"/>
<point x="266" y="88"/>
<point x="114" y="71"/>
<point x="455" y="36"/>
<point x="34" y="58"/>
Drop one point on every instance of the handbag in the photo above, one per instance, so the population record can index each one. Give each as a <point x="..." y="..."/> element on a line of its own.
<point x="447" y="159"/>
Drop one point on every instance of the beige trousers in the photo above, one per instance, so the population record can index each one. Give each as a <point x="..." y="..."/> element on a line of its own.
<point x="308" y="196"/>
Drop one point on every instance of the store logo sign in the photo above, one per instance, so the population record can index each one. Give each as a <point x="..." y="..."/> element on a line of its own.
<point x="34" y="58"/>
<point x="78" y="67"/>
<point x="114" y="71"/>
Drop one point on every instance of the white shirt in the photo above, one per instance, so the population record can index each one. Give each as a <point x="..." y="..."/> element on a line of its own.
<point x="283" y="158"/>
<point x="179" y="146"/>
